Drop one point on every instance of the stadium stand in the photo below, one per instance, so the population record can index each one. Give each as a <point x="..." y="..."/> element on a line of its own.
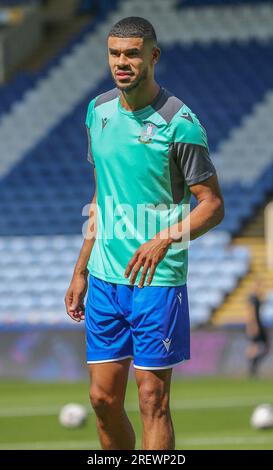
<point x="222" y="71"/>
<point x="13" y="91"/>
<point x="41" y="268"/>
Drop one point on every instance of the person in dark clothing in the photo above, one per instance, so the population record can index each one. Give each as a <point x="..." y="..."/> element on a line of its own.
<point x="258" y="346"/>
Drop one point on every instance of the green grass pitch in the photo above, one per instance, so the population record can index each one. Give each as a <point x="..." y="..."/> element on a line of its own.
<point x="209" y="413"/>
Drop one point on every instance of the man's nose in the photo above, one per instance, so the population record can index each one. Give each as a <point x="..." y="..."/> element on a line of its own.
<point x="122" y="60"/>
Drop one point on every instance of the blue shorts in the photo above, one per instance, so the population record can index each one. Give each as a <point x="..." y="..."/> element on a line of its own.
<point x="149" y="324"/>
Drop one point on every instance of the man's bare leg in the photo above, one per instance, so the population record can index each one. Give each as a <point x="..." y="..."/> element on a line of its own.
<point x="107" y="393"/>
<point x="154" y="394"/>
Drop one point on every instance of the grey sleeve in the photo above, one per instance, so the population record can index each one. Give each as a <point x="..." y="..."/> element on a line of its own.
<point x="194" y="162"/>
<point x="89" y="150"/>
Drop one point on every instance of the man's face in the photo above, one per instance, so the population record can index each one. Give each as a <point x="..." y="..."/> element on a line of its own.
<point x="131" y="61"/>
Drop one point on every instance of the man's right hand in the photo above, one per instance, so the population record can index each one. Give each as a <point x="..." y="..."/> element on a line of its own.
<point x="74" y="299"/>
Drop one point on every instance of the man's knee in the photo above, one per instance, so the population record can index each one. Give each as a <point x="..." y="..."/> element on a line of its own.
<point x="104" y="402"/>
<point x="153" y="401"/>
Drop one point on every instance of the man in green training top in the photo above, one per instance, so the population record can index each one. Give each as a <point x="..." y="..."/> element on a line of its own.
<point x="149" y="153"/>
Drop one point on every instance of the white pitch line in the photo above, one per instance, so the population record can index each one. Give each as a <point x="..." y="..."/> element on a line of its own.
<point x="29" y="411"/>
<point x="220" y="403"/>
<point x="186" y="405"/>
<point x="225" y="440"/>
<point x="182" y="442"/>
<point x="57" y="445"/>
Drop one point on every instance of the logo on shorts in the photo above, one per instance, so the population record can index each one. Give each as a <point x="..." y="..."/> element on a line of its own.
<point x="179" y="296"/>
<point x="167" y="343"/>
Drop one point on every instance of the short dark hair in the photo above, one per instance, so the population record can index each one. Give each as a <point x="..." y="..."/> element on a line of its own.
<point x="133" y="27"/>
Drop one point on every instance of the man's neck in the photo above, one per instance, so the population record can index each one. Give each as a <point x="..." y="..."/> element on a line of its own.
<point x="140" y="97"/>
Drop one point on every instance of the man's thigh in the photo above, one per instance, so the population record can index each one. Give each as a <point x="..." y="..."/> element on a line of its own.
<point x="110" y="378"/>
<point x="108" y="334"/>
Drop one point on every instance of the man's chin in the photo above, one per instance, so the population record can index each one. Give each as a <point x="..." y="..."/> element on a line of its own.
<point x="126" y="86"/>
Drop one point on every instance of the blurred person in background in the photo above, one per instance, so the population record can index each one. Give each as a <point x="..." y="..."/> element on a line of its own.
<point x="256" y="333"/>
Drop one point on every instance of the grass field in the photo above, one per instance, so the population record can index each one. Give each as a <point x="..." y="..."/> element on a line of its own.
<point x="207" y="414"/>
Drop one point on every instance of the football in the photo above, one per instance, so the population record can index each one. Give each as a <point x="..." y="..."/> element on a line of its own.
<point x="73" y="415"/>
<point x="262" y="417"/>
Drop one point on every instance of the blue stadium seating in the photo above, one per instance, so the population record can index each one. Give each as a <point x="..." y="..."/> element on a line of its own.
<point x="202" y="3"/>
<point x="58" y="161"/>
<point x="40" y="269"/>
<point x="43" y="195"/>
<point x="23" y="81"/>
<point x="13" y="3"/>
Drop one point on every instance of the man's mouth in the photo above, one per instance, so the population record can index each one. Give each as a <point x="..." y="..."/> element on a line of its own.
<point x="123" y="74"/>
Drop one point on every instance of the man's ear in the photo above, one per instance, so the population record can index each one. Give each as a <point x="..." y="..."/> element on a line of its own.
<point x="156" y="55"/>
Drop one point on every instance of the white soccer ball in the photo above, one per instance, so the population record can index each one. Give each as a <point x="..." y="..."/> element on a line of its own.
<point x="73" y="415"/>
<point x="262" y="417"/>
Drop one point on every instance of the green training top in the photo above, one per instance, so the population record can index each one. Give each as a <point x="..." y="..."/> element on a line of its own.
<point x="145" y="161"/>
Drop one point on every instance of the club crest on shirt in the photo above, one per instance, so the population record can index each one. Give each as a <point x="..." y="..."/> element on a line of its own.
<point x="148" y="132"/>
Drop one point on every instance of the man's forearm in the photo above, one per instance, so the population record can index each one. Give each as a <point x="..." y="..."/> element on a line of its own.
<point x="89" y="240"/>
<point x="203" y="218"/>
<point x="81" y="265"/>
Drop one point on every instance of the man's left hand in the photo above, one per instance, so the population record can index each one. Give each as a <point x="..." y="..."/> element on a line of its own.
<point x="148" y="255"/>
